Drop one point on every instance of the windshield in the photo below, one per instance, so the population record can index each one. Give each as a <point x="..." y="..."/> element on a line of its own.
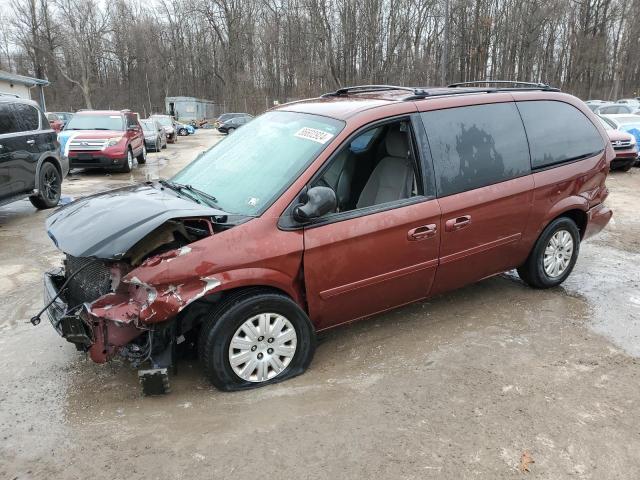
<point x="164" y="121"/>
<point x="605" y="124"/>
<point x="247" y="170"/>
<point x="95" y="122"/>
<point x="148" y="125"/>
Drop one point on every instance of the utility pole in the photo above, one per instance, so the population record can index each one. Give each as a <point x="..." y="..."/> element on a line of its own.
<point x="445" y="47"/>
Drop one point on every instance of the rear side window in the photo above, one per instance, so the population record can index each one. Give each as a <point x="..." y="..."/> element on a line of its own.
<point x="28" y="116"/>
<point x="476" y="146"/>
<point x="558" y="132"/>
<point x="8" y="121"/>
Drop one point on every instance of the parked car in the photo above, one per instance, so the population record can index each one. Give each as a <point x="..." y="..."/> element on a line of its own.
<point x="168" y="124"/>
<point x="595" y="104"/>
<point x="155" y="138"/>
<point x="624" y="144"/>
<point x="322" y="212"/>
<point x="226" y="116"/>
<point x="103" y="139"/>
<point x="625" y="123"/>
<point x="634" y="102"/>
<point x="29" y="162"/>
<point x="616" y="109"/>
<point x="232" y="124"/>
<point x="183" y="129"/>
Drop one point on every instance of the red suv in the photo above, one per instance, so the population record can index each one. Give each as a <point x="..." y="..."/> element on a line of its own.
<point x="103" y="139"/>
<point x="323" y="212"/>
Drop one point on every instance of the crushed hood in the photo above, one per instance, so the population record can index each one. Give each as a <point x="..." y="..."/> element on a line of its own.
<point x="107" y="225"/>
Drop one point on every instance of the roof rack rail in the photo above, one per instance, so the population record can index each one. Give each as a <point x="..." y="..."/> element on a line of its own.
<point x="368" y="88"/>
<point x="537" y="86"/>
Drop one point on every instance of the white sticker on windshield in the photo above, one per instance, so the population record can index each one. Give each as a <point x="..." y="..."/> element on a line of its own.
<point x="314" y="134"/>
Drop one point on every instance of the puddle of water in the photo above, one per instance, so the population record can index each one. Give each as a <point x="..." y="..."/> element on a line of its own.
<point x="609" y="280"/>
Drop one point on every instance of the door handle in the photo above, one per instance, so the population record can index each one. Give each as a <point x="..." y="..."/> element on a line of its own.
<point x="31" y="142"/>
<point x="420" y="233"/>
<point x="457" y="223"/>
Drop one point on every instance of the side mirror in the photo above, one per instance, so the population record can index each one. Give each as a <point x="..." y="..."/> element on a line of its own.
<point x="319" y="201"/>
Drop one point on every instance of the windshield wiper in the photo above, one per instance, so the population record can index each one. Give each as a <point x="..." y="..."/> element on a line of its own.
<point x="191" y="192"/>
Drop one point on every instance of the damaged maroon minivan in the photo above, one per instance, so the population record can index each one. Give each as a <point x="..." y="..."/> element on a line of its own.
<point x="322" y="212"/>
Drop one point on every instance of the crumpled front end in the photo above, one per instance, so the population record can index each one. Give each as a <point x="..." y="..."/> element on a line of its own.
<point x="104" y="308"/>
<point x="75" y="322"/>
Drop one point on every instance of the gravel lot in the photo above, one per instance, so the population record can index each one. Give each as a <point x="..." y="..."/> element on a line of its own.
<point x="461" y="386"/>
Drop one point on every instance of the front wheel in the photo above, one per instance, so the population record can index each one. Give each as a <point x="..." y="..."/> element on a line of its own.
<point x="182" y="132"/>
<point x="255" y="338"/>
<point x="553" y="256"/>
<point x="128" y="164"/>
<point x="142" y="158"/>
<point x="230" y="131"/>
<point x="49" y="187"/>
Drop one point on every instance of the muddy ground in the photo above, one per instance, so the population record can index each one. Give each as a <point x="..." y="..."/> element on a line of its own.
<point x="459" y="387"/>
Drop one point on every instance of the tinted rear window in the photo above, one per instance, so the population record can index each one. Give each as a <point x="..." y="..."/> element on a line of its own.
<point x="28" y="116"/>
<point x="558" y="132"/>
<point x="476" y="146"/>
<point x="8" y="121"/>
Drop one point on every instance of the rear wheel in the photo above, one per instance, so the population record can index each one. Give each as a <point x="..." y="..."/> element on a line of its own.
<point x="553" y="256"/>
<point x="49" y="187"/>
<point x="230" y="131"/>
<point x="255" y="338"/>
<point x="182" y="132"/>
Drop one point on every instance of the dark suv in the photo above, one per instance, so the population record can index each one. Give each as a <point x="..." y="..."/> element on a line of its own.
<point x="325" y="211"/>
<point x="103" y="139"/>
<point x="232" y="124"/>
<point x="29" y="161"/>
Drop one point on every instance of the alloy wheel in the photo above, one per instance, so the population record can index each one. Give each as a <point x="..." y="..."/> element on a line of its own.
<point x="558" y="253"/>
<point x="262" y="347"/>
<point x="50" y="185"/>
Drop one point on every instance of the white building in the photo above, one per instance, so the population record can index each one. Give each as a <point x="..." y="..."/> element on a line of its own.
<point x="23" y="87"/>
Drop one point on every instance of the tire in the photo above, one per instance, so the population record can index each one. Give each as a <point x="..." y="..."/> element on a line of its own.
<point x="142" y="158"/>
<point x="229" y="320"/>
<point x="49" y="187"/>
<point x="534" y="273"/>
<point x="128" y="165"/>
<point x="626" y="168"/>
<point x="230" y="131"/>
<point x="182" y="132"/>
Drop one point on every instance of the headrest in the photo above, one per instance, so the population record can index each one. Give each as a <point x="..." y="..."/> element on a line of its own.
<point x="396" y="143"/>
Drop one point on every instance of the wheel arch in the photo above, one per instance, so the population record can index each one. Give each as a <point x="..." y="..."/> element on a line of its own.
<point x="579" y="217"/>
<point x="573" y="207"/>
<point x="261" y="278"/>
<point x="50" y="158"/>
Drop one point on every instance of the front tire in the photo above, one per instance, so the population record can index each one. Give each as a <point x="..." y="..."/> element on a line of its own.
<point x="255" y="338"/>
<point x="553" y="256"/>
<point x="142" y="158"/>
<point x="49" y="187"/>
<point x="182" y="132"/>
<point x="128" y="164"/>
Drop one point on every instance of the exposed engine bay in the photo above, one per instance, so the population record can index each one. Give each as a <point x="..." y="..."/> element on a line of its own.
<point x="132" y="303"/>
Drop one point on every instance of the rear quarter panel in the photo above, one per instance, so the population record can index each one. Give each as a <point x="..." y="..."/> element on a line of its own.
<point x="578" y="185"/>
